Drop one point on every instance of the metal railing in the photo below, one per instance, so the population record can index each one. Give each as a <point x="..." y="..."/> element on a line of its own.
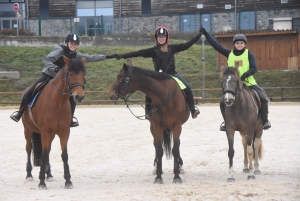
<point x="278" y="94"/>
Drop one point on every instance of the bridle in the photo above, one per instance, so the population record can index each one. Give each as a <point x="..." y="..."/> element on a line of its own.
<point x="125" y="85"/>
<point x="237" y="89"/>
<point x="70" y="86"/>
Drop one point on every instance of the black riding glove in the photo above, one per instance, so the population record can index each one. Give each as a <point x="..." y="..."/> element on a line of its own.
<point x="119" y="56"/>
<point x="202" y="31"/>
<point x="112" y="56"/>
<point x="244" y="76"/>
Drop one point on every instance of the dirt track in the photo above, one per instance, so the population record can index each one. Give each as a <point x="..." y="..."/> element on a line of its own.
<point x="111" y="156"/>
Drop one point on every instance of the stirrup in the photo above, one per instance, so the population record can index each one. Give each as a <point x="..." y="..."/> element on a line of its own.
<point x="223" y="127"/>
<point x="196" y="113"/>
<point x="266" y="125"/>
<point x="16" y="116"/>
<point x="74" y="123"/>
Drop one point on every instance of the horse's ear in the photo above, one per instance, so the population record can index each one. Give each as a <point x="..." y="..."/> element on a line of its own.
<point x="83" y="60"/>
<point x="67" y="60"/>
<point x="129" y="63"/>
<point x="237" y="64"/>
<point x="222" y="66"/>
<point x="125" y="67"/>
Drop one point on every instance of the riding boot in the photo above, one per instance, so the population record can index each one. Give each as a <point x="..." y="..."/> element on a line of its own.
<point x="190" y="100"/>
<point x="222" y="108"/>
<point x="74" y="121"/>
<point x="264" y="116"/>
<point x="148" y="107"/>
<point x="16" y="116"/>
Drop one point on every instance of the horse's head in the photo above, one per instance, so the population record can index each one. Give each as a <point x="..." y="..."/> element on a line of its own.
<point x="120" y="87"/>
<point x="231" y="83"/>
<point x="75" y="77"/>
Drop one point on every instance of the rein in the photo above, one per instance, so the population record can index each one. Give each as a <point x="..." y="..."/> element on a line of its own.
<point x="70" y="86"/>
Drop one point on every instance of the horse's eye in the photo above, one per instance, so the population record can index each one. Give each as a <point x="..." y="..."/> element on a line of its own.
<point x="70" y="74"/>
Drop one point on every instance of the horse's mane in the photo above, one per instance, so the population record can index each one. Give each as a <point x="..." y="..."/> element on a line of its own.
<point x="151" y="73"/>
<point x="77" y="66"/>
<point x="229" y="71"/>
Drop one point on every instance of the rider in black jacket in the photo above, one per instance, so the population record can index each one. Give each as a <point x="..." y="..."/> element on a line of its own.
<point x="53" y="63"/>
<point x="164" y="61"/>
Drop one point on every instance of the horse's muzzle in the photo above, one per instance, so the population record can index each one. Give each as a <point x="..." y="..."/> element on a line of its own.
<point x="78" y="98"/>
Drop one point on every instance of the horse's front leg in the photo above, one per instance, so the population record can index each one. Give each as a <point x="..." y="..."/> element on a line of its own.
<point x="244" y="142"/>
<point x="64" y="156"/>
<point x="48" y="172"/>
<point x="159" y="155"/>
<point x="28" y="135"/>
<point x="230" y="138"/>
<point x="176" y="154"/>
<point x="250" y="153"/>
<point x="44" y="167"/>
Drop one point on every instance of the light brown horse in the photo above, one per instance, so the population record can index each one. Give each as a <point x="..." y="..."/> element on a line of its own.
<point x="50" y="115"/>
<point x="241" y="114"/>
<point x="169" y="111"/>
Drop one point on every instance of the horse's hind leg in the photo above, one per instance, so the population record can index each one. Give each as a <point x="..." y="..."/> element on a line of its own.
<point x="28" y="135"/>
<point x="257" y="149"/>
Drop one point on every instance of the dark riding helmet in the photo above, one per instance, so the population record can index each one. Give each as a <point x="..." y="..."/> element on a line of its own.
<point x="72" y="38"/>
<point x="239" y="37"/>
<point x="161" y="30"/>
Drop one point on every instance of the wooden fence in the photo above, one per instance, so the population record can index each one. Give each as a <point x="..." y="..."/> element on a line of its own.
<point x="281" y="93"/>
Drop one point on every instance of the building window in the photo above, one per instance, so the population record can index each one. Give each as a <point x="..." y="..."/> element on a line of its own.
<point x="44" y="8"/>
<point x="146" y="7"/>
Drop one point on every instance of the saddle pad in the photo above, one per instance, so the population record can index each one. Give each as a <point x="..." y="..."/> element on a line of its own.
<point x="181" y="85"/>
<point x="33" y="99"/>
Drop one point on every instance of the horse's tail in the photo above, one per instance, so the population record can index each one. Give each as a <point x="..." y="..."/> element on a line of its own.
<point x="36" y="148"/>
<point x="260" y="149"/>
<point x="167" y="142"/>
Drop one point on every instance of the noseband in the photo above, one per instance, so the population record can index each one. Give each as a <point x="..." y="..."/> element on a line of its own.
<point x="70" y="86"/>
<point x="234" y="93"/>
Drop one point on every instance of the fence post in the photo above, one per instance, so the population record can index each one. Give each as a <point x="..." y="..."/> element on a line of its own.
<point x="282" y="94"/>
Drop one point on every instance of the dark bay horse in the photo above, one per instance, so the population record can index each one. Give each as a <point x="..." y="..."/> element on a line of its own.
<point x="241" y="114"/>
<point x="169" y="111"/>
<point x="50" y="115"/>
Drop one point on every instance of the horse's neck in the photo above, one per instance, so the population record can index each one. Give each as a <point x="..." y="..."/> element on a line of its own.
<point x="60" y="85"/>
<point x="157" y="90"/>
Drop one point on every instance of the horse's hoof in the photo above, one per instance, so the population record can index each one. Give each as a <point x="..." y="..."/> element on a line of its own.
<point x="250" y="177"/>
<point x="42" y="187"/>
<point x="29" y="178"/>
<point x="230" y="179"/>
<point x="177" y="181"/>
<point x="50" y="179"/>
<point x="257" y="172"/>
<point x="69" y="186"/>
<point x="246" y="170"/>
<point x="158" y="181"/>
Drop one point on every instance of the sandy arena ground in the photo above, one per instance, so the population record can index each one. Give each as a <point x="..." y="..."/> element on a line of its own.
<point x="111" y="158"/>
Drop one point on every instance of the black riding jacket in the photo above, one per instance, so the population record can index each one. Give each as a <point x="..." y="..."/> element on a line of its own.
<point x="164" y="61"/>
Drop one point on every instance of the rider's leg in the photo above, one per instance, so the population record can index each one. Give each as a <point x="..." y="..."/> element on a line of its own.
<point x="189" y="96"/>
<point x="148" y="107"/>
<point x="264" y="107"/>
<point x="74" y="121"/>
<point x="222" y="108"/>
<point x="16" y="116"/>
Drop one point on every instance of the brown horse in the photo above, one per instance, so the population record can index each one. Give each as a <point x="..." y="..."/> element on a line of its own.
<point x="169" y="111"/>
<point x="50" y="115"/>
<point x="241" y="114"/>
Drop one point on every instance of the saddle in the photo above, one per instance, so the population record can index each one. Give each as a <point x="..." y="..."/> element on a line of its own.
<point x="39" y="87"/>
<point x="255" y="97"/>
